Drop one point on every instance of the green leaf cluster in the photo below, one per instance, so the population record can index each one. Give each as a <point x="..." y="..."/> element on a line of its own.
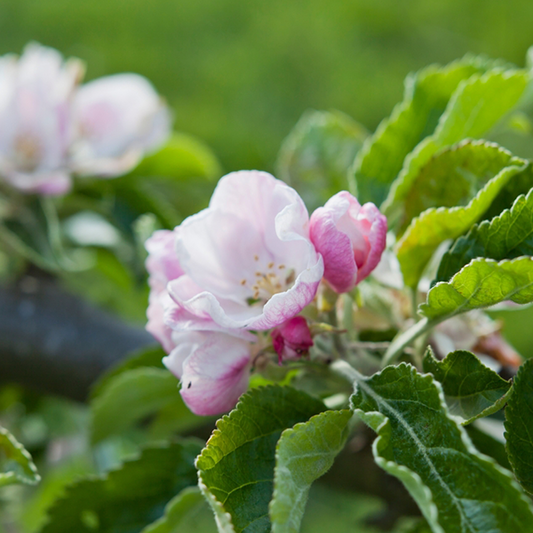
<point x="128" y="498"/>
<point x="16" y="465"/>
<point x="457" y="488"/>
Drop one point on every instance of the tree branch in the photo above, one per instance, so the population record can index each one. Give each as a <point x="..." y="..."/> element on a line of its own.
<point x="58" y="343"/>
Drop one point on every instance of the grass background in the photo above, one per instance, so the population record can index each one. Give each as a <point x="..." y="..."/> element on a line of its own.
<point x="239" y="73"/>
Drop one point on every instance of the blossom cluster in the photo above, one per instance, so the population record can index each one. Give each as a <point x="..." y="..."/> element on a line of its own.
<point x="53" y="127"/>
<point x="230" y="281"/>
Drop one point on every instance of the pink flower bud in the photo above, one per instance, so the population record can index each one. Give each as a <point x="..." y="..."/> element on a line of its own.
<point x="350" y="238"/>
<point x="292" y="339"/>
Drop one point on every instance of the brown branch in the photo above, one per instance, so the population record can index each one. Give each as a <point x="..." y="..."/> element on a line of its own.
<point x="58" y="343"/>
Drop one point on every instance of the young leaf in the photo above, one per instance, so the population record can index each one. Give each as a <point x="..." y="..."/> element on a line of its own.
<point x="16" y="465"/>
<point x="457" y="489"/>
<point x="317" y="154"/>
<point x="518" y="424"/>
<point x="471" y="389"/>
<point x="151" y="357"/>
<point x="303" y="454"/>
<point x="481" y="283"/>
<point x="477" y="105"/>
<point x="128" y="498"/>
<point x="452" y="191"/>
<point x="188" y="512"/>
<point x="236" y="468"/>
<point x="182" y="158"/>
<point x="426" y="96"/>
<point x="135" y="394"/>
<point x="507" y="236"/>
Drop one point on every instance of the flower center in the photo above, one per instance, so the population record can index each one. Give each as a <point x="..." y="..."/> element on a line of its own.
<point x="267" y="281"/>
<point x="27" y="153"/>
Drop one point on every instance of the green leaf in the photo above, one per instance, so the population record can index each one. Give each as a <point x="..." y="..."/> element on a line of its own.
<point x="151" y="357"/>
<point x="457" y="489"/>
<point x="412" y="525"/>
<point x="427" y="94"/>
<point x="455" y="175"/>
<point x="183" y="157"/>
<point x="477" y="105"/>
<point x="317" y="154"/>
<point x="16" y="465"/>
<point x="507" y="236"/>
<point x="481" y="283"/>
<point x="452" y="191"/>
<point x="236" y="468"/>
<point x="339" y="511"/>
<point x="303" y="454"/>
<point x="135" y="394"/>
<point x="188" y="512"/>
<point x="518" y="424"/>
<point x="111" y="285"/>
<point x="488" y="444"/>
<point x="471" y="389"/>
<point x="127" y="499"/>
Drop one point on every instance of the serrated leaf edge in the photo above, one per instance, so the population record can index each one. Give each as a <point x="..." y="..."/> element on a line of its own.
<point x="458" y="310"/>
<point x="496" y="406"/>
<point x="399" y="187"/>
<point x="8" y="478"/>
<point x="433" y="511"/>
<point x="287" y="432"/>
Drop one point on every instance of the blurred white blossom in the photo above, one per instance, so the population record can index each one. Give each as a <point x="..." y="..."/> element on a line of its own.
<point x="50" y="127"/>
<point x="117" y="119"/>
<point x="35" y="119"/>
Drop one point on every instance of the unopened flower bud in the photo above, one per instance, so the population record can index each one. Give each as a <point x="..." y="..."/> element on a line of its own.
<point x="350" y="238"/>
<point x="292" y="339"/>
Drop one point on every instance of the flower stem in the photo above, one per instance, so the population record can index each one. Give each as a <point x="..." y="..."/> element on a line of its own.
<point x="401" y="341"/>
<point x="345" y="370"/>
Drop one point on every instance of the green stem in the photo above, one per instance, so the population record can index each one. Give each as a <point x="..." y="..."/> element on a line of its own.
<point x="337" y="341"/>
<point x="10" y="240"/>
<point x="404" y="339"/>
<point x="343" y="369"/>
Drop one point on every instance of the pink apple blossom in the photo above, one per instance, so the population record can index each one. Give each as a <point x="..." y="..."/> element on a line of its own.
<point x="35" y="130"/>
<point x="117" y="120"/>
<point x="214" y="369"/>
<point x="350" y="237"/>
<point x="292" y="339"/>
<point x="163" y="266"/>
<point x="247" y="258"/>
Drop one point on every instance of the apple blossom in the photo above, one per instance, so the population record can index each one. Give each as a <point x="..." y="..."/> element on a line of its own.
<point x="350" y="237"/>
<point x="117" y="119"/>
<point x="35" y="96"/>
<point x="162" y="266"/>
<point x="248" y="261"/>
<point x="214" y="369"/>
<point x="292" y="339"/>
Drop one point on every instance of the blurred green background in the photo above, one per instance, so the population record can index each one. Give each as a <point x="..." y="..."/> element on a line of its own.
<point x="240" y="73"/>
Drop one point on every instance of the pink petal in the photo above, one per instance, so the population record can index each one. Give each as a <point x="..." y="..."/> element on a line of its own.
<point x="162" y="261"/>
<point x="215" y="370"/>
<point x="376" y="236"/>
